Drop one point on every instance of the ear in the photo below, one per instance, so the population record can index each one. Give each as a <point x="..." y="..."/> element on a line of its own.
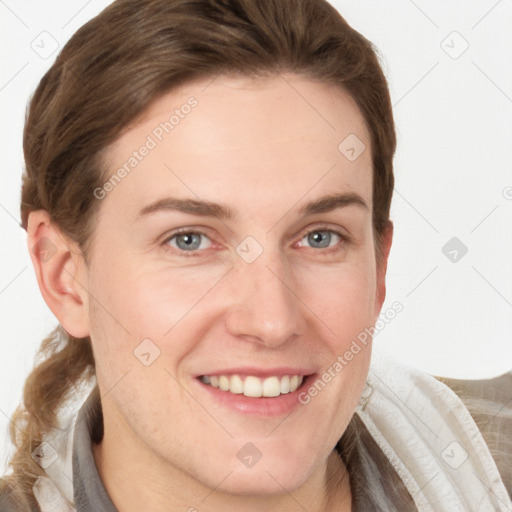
<point x="387" y="238"/>
<point x="60" y="271"/>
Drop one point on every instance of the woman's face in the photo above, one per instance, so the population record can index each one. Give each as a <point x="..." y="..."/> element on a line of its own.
<point x="217" y="253"/>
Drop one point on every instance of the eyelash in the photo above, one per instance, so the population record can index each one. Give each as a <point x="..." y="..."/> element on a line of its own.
<point x="344" y="239"/>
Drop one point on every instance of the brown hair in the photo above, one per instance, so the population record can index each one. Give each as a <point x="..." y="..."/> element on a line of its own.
<point x="104" y="79"/>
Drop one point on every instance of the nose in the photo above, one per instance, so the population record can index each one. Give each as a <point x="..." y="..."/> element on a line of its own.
<point x="264" y="308"/>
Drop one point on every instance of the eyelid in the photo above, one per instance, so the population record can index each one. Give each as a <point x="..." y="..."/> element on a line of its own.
<point x="343" y="234"/>
<point x="198" y="230"/>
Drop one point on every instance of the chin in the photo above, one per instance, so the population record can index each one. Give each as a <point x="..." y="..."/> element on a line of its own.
<point x="261" y="483"/>
<point x="272" y="476"/>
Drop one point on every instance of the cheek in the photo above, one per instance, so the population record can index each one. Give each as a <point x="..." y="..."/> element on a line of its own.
<point x="343" y="298"/>
<point x="170" y="298"/>
<point x="133" y="303"/>
<point x="147" y="297"/>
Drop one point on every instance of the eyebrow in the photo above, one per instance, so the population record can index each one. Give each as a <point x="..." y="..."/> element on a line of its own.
<point x="210" y="209"/>
<point x="331" y="202"/>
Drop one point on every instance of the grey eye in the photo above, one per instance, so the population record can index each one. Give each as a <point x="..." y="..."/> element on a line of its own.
<point x="321" y="239"/>
<point x="189" y="241"/>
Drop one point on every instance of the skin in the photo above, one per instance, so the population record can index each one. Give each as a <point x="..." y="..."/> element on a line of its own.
<point x="264" y="149"/>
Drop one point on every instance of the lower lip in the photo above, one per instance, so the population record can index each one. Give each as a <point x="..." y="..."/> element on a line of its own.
<point x="262" y="406"/>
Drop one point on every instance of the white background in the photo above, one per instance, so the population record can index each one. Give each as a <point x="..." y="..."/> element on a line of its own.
<point x="453" y="179"/>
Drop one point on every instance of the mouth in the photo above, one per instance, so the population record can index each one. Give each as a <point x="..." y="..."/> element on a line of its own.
<point x="264" y="394"/>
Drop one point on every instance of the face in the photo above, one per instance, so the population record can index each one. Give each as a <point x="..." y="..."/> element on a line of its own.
<point x="235" y="251"/>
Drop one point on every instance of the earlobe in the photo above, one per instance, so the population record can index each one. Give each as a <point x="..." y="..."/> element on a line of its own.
<point x="59" y="268"/>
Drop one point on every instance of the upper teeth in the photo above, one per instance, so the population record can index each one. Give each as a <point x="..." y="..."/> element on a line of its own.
<point x="254" y="386"/>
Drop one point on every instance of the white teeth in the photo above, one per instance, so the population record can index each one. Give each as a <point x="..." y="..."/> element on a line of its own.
<point x="271" y="387"/>
<point x="254" y="386"/>
<point x="285" y="385"/>
<point x="236" y="385"/>
<point x="223" y="383"/>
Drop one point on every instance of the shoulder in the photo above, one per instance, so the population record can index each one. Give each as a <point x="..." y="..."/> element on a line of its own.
<point x="489" y="402"/>
<point x="427" y="428"/>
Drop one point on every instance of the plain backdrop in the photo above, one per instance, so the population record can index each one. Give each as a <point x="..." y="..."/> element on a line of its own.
<point x="449" y="67"/>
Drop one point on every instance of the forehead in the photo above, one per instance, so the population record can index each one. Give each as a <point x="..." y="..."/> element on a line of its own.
<point x="280" y="138"/>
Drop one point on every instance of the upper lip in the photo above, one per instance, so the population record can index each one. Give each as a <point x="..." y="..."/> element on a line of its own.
<point x="260" y="372"/>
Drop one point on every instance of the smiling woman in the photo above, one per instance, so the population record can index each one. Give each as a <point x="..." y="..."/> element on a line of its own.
<point x="217" y="300"/>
